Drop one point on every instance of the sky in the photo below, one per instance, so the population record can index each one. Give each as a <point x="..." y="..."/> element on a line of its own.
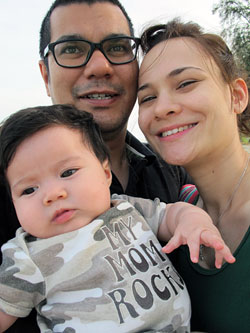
<point x="21" y="84"/>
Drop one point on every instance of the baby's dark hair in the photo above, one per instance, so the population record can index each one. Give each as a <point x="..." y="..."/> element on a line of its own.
<point x="24" y="123"/>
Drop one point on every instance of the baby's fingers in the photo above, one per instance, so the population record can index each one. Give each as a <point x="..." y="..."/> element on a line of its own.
<point x="223" y="254"/>
<point x="211" y="239"/>
<point x="194" y="248"/>
<point x="172" y="244"/>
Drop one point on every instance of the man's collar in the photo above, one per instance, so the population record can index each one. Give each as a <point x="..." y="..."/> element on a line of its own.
<point x="141" y="150"/>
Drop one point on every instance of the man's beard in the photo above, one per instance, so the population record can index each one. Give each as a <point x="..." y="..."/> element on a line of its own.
<point x="110" y="132"/>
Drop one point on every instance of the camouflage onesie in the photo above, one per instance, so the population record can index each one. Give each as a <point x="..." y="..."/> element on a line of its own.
<point x="109" y="276"/>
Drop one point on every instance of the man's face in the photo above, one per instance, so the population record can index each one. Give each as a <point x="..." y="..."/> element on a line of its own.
<point x="107" y="91"/>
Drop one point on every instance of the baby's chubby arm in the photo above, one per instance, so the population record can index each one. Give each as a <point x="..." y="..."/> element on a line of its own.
<point x="6" y="321"/>
<point x="191" y="225"/>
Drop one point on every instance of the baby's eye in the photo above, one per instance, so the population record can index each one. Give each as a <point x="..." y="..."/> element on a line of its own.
<point x="186" y="83"/>
<point x="29" y="190"/>
<point x="68" y="173"/>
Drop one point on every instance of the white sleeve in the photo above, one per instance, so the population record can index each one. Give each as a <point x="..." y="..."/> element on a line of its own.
<point x="152" y="210"/>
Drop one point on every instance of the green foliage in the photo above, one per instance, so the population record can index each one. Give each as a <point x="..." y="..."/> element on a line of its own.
<point x="244" y="139"/>
<point x="235" y="19"/>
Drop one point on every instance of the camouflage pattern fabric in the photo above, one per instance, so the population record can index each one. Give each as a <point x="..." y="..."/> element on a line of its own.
<point x="109" y="276"/>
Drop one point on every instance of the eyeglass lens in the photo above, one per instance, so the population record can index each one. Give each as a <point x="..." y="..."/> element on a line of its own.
<point x="77" y="53"/>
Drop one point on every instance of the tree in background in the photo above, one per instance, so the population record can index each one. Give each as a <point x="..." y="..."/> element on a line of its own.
<point x="235" y="20"/>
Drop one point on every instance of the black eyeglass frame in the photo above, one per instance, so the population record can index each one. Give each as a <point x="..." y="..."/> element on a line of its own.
<point x="93" y="46"/>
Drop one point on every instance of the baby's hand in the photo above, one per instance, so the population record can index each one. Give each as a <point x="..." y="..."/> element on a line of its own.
<point x="195" y="229"/>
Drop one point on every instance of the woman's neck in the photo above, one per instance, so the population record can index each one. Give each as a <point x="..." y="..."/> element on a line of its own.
<point x="223" y="184"/>
<point x="217" y="177"/>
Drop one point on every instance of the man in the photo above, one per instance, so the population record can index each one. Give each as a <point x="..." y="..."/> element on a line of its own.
<point x="105" y="89"/>
<point x="100" y="78"/>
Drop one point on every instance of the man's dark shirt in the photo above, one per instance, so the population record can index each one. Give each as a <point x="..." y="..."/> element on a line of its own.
<point x="149" y="177"/>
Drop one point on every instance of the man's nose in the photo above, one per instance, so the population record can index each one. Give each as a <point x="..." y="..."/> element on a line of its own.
<point x="98" y="66"/>
<point x="54" y="195"/>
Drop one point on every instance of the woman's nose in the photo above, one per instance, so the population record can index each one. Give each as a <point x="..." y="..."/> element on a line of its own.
<point x="166" y="107"/>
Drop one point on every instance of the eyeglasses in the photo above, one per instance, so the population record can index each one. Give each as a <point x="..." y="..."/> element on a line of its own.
<point x="73" y="53"/>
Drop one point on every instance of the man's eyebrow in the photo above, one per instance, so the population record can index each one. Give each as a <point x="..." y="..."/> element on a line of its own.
<point x="78" y="36"/>
<point x="117" y="35"/>
<point x="67" y="37"/>
<point x="174" y="72"/>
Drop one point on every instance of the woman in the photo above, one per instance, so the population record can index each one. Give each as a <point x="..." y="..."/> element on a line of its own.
<point x="191" y="103"/>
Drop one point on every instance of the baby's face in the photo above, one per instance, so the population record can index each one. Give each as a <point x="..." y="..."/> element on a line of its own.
<point x="57" y="183"/>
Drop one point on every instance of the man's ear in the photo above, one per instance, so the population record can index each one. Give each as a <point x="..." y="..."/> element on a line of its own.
<point x="239" y="95"/>
<point x="107" y="170"/>
<point x="45" y="76"/>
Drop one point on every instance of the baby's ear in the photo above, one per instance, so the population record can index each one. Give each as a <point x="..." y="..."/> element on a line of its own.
<point x="239" y="95"/>
<point x="107" y="170"/>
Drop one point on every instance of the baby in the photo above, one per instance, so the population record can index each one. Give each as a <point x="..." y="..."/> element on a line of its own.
<point x="85" y="261"/>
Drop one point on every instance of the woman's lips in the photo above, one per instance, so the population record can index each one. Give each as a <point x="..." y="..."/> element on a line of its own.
<point x="175" y="130"/>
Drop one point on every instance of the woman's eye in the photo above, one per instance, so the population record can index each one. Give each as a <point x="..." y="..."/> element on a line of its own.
<point x="147" y="99"/>
<point x="29" y="190"/>
<point x="186" y="83"/>
<point x="68" y="173"/>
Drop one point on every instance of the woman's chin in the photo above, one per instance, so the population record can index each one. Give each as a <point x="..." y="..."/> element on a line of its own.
<point x="180" y="156"/>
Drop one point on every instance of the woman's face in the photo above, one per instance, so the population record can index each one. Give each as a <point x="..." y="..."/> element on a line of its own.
<point x="185" y="107"/>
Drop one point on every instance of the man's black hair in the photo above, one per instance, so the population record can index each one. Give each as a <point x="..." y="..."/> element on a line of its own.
<point x="45" y="31"/>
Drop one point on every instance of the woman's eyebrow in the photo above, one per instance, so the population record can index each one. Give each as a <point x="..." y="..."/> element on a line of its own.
<point x="142" y="87"/>
<point x="174" y="72"/>
<point x="178" y="71"/>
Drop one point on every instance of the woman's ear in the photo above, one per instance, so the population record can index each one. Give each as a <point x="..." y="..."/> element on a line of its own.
<point x="239" y="95"/>
<point x="107" y="170"/>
